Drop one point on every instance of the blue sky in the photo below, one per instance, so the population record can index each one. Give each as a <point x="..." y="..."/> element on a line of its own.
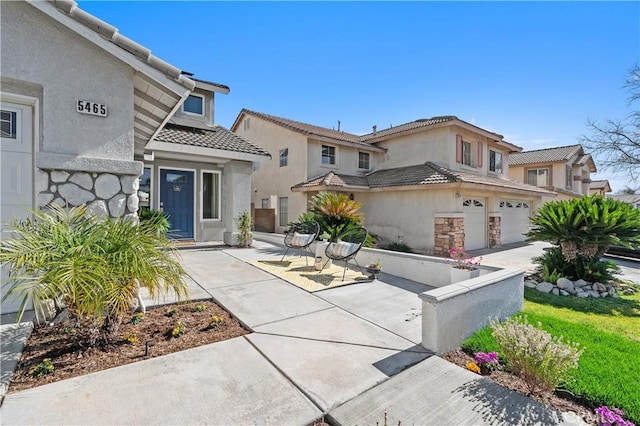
<point x="531" y="71"/>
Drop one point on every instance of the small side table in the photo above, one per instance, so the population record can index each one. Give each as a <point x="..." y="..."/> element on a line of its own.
<point x="321" y="246"/>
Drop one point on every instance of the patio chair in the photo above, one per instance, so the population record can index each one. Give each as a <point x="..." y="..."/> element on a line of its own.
<point x="300" y="236"/>
<point x="347" y="247"/>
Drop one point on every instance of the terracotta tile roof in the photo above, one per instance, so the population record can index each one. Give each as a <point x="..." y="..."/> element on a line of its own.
<point x="546" y="155"/>
<point x="308" y="129"/>
<point x="423" y="122"/>
<point x="422" y="174"/>
<point x="217" y="138"/>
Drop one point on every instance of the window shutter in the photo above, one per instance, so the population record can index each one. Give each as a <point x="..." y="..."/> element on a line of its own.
<point x="479" y="155"/>
<point x="458" y="149"/>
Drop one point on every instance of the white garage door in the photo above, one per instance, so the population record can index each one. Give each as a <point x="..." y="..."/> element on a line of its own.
<point x="475" y="223"/>
<point x="515" y="220"/>
<point x="16" y="174"/>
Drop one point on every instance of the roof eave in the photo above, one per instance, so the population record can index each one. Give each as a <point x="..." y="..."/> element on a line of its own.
<point x="204" y="151"/>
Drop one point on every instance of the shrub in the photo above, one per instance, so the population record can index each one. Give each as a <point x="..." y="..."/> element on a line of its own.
<point x="154" y="218"/>
<point x="401" y="247"/>
<point x="95" y="264"/>
<point x="582" y="229"/>
<point x="200" y="307"/>
<point x="592" y="270"/>
<point x="137" y="318"/>
<point x="542" y="361"/>
<point x="178" y="330"/>
<point x="244" y="222"/>
<point x="130" y="337"/>
<point x="335" y="213"/>
<point x="215" y="322"/>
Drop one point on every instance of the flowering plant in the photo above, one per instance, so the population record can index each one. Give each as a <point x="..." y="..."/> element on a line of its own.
<point x="611" y="417"/>
<point x="462" y="260"/>
<point x="487" y="361"/>
<point x="375" y="265"/>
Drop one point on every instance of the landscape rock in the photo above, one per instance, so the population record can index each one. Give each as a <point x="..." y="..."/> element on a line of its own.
<point x="582" y="294"/>
<point x="545" y="287"/>
<point x="564" y="293"/>
<point x="571" y="290"/>
<point x="555" y="291"/>
<point x="580" y="283"/>
<point x="564" y="283"/>
<point x="593" y="293"/>
<point x="612" y="291"/>
<point x="599" y="287"/>
<point x="530" y="284"/>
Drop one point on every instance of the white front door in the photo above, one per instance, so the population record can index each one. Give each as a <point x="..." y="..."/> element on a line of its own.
<point x="16" y="173"/>
<point x="475" y="223"/>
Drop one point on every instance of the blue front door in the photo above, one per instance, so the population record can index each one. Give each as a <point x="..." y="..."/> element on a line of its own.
<point x="176" y="200"/>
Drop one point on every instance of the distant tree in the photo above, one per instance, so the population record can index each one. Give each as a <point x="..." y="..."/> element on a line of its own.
<point x="627" y="191"/>
<point x="616" y="142"/>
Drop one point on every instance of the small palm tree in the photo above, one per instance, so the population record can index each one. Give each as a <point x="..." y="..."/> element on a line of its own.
<point x="335" y="213"/>
<point x="95" y="265"/>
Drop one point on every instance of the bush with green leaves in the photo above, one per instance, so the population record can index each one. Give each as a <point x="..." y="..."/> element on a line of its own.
<point x="244" y="222"/>
<point x="158" y="218"/>
<point x="582" y="229"/>
<point x="592" y="270"/>
<point x="96" y="265"/>
<point x="542" y="361"/>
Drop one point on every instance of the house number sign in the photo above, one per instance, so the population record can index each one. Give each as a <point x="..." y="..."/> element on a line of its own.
<point x="91" y="108"/>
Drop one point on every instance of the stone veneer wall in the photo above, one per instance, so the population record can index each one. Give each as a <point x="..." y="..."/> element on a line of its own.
<point x="103" y="193"/>
<point x="449" y="232"/>
<point x="495" y="235"/>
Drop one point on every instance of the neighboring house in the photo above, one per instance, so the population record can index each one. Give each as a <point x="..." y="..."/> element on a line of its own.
<point x="565" y="170"/>
<point x="83" y="113"/>
<point x="600" y="187"/>
<point x="432" y="184"/>
<point x="632" y="199"/>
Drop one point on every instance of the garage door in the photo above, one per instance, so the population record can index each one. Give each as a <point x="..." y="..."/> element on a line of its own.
<point x="515" y="220"/>
<point x="475" y="223"/>
<point x="16" y="193"/>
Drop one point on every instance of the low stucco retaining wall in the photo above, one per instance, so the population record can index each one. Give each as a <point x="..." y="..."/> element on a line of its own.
<point x="452" y="311"/>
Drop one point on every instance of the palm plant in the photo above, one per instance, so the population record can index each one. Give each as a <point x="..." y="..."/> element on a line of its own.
<point x="582" y="230"/>
<point x="335" y="213"/>
<point x="95" y="265"/>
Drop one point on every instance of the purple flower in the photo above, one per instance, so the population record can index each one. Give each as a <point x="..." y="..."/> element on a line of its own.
<point x="490" y="358"/>
<point x="612" y="417"/>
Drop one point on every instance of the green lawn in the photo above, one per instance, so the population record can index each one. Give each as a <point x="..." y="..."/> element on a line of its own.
<point x="609" y="329"/>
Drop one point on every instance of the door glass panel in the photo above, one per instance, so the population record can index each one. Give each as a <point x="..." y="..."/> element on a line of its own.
<point x="177" y="177"/>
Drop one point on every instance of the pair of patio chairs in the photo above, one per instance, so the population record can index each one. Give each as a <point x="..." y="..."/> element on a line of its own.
<point x="301" y="235"/>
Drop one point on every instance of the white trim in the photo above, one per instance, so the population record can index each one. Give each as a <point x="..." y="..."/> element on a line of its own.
<point x="202" y="98"/>
<point x="219" y="173"/>
<point x="177" y="149"/>
<point x="195" y="184"/>
<point x="335" y="165"/>
<point x="151" y="175"/>
<point x="34" y="103"/>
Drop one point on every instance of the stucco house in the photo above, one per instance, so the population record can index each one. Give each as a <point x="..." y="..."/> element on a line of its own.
<point x="565" y="170"/>
<point x="631" y="199"/>
<point x="432" y="184"/>
<point x="600" y="187"/>
<point x="86" y="111"/>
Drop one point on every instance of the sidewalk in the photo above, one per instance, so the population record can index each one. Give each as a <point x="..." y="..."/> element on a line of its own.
<point x="351" y="353"/>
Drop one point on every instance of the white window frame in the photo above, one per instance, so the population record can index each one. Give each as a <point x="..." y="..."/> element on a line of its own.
<point x="264" y="202"/>
<point x="568" y="176"/>
<point x="286" y="157"/>
<point x="280" y="211"/>
<point x="467" y="153"/>
<point x="495" y="154"/>
<point x="537" y="176"/>
<point x="335" y="155"/>
<point x="151" y="168"/>
<point x="368" y="154"/>
<point x="201" y="190"/>
<point x="194" y="113"/>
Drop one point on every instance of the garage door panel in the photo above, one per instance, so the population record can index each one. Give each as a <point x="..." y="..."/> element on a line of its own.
<point x="515" y="220"/>
<point x="475" y="223"/>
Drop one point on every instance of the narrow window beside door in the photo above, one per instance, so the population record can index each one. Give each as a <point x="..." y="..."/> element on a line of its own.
<point x="211" y="195"/>
<point x="283" y="211"/>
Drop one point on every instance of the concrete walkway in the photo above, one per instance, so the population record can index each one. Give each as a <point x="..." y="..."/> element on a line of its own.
<point x="350" y="353"/>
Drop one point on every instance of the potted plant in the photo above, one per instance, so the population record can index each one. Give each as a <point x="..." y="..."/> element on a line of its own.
<point x="463" y="266"/>
<point x="374" y="269"/>
<point x="244" y="222"/>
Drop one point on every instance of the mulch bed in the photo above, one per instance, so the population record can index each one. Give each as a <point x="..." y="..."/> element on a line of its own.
<point x="513" y="382"/>
<point x="60" y="342"/>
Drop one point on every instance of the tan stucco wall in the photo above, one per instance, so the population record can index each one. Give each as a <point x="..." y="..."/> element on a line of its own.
<point x="435" y="145"/>
<point x="37" y="49"/>
<point x="187" y="119"/>
<point x="346" y="159"/>
<point x="270" y="179"/>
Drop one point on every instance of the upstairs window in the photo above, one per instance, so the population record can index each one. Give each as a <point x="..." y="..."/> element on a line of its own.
<point x="284" y="157"/>
<point x="495" y="161"/>
<point x="194" y="104"/>
<point x="328" y="154"/>
<point x="466" y="153"/>
<point x="364" y="160"/>
<point x="538" y="177"/>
